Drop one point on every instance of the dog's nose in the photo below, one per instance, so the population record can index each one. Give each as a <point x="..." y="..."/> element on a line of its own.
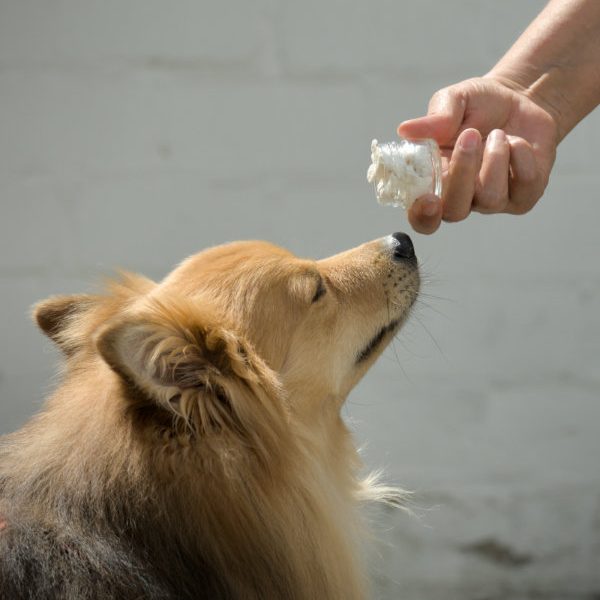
<point x="404" y="248"/>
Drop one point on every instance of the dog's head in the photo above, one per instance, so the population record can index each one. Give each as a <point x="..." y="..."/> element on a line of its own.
<point x="202" y="413"/>
<point x="246" y="316"/>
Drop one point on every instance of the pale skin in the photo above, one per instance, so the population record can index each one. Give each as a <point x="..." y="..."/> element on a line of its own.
<point x="499" y="133"/>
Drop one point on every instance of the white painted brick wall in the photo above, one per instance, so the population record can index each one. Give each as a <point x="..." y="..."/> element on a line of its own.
<point x="119" y="122"/>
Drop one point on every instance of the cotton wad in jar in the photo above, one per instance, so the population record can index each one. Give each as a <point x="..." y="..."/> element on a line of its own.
<point x="404" y="170"/>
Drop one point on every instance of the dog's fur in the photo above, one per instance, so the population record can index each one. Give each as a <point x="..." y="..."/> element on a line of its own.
<point x="195" y="447"/>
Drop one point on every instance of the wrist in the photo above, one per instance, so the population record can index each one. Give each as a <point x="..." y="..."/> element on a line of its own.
<point x="540" y="87"/>
<point x="556" y="62"/>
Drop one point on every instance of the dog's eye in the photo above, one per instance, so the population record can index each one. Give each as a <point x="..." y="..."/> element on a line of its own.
<point x="321" y="289"/>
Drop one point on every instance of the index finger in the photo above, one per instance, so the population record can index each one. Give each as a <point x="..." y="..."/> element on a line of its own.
<point x="439" y="127"/>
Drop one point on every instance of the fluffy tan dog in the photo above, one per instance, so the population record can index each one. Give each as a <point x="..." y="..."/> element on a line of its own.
<point x="195" y="447"/>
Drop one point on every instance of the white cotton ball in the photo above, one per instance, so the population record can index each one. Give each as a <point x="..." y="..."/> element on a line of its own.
<point x="404" y="170"/>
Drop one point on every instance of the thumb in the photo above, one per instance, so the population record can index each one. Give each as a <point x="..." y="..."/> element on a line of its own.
<point x="443" y="121"/>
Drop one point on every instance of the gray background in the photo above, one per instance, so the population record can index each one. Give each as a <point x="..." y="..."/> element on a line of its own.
<point x="133" y="133"/>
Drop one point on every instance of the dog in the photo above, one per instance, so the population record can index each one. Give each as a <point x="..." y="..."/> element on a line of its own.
<point x="194" y="447"/>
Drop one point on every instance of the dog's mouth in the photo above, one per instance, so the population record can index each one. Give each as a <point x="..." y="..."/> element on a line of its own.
<point x="375" y="342"/>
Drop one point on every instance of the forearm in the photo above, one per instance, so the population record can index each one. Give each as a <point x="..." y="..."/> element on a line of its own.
<point x="556" y="61"/>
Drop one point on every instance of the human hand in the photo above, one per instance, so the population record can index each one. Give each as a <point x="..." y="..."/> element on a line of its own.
<point x="498" y="147"/>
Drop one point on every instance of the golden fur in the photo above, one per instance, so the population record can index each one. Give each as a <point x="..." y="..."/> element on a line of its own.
<point x="195" y="448"/>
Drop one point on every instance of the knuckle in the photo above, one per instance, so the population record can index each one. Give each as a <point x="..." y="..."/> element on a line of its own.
<point x="442" y="93"/>
<point x="443" y="97"/>
<point x="436" y="100"/>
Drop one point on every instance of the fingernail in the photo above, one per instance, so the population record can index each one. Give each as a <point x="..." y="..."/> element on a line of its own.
<point x="429" y="207"/>
<point x="469" y="140"/>
<point x="496" y="138"/>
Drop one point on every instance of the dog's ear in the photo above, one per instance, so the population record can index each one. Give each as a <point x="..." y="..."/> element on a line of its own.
<point x="58" y="313"/>
<point x="61" y="318"/>
<point x="185" y="359"/>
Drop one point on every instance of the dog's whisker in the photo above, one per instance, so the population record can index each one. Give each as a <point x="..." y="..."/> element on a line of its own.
<point x="420" y="303"/>
<point x="435" y="297"/>
<point x="431" y="336"/>
<point x="389" y="318"/>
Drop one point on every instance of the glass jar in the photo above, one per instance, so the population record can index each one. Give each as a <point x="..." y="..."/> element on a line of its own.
<point x="403" y="170"/>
